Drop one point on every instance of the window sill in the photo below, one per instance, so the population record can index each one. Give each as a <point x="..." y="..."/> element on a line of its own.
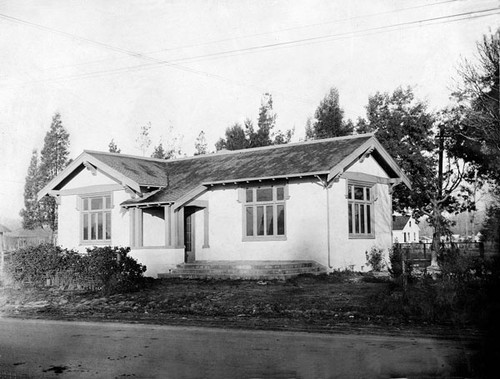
<point x="95" y="243"/>
<point x="264" y="238"/>
<point x="361" y="236"/>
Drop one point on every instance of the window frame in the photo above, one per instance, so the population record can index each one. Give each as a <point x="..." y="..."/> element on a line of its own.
<point x="361" y="204"/>
<point x="254" y="204"/>
<point x="106" y="211"/>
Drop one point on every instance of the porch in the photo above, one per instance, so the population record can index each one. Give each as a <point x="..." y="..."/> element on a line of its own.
<point x="249" y="270"/>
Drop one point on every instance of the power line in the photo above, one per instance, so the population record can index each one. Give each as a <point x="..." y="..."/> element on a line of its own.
<point x="140" y="55"/>
<point x="300" y="42"/>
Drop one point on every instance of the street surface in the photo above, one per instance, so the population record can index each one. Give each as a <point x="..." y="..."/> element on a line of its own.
<point x="40" y="348"/>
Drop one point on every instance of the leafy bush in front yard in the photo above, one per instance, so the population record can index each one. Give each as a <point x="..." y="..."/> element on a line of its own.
<point x="375" y="258"/>
<point x="396" y="256"/>
<point x="113" y="268"/>
<point x="108" y="269"/>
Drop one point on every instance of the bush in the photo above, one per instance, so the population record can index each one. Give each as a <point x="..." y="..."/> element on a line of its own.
<point x="396" y="255"/>
<point x="107" y="268"/>
<point x="113" y="268"/>
<point x="35" y="264"/>
<point x="375" y="259"/>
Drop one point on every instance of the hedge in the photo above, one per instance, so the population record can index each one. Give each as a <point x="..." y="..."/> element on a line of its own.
<point x="107" y="268"/>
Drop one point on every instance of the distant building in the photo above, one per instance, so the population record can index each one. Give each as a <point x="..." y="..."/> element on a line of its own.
<point x="405" y="230"/>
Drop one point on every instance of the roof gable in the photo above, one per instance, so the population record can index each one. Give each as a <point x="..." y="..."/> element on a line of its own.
<point x="399" y="222"/>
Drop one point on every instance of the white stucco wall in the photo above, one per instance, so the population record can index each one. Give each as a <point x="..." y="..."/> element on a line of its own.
<point x="306" y="225"/>
<point x="158" y="260"/>
<point x="304" y="234"/>
<point x="69" y="215"/>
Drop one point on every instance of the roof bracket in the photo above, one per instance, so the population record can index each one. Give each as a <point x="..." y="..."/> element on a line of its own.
<point x="366" y="154"/>
<point x="89" y="166"/>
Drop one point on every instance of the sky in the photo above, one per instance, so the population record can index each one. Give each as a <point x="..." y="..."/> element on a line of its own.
<point x="110" y="67"/>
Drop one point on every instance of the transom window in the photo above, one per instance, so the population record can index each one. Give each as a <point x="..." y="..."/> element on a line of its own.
<point x="264" y="213"/>
<point x="96" y="218"/>
<point x="360" y="210"/>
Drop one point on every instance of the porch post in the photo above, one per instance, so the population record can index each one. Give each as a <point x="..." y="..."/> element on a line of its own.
<point x="168" y="225"/>
<point x="138" y="227"/>
<point x="131" y="213"/>
<point x="205" y="228"/>
<point x="180" y="227"/>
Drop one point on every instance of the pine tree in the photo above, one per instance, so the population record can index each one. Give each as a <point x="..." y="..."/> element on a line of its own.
<point x="200" y="144"/>
<point x="329" y="119"/>
<point x="113" y="148"/>
<point x="31" y="213"/>
<point x="54" y="158"/>
<point x="143" y="140"/>
<point x="159" y="152"/>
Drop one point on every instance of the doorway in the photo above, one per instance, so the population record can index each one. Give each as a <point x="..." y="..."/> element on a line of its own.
<point x="189" y="235"/>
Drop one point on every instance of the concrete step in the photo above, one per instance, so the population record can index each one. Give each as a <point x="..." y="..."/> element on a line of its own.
<point x="245" y="270"/>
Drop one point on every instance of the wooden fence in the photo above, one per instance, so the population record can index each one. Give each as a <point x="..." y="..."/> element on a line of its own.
<point x="423" y="251"/>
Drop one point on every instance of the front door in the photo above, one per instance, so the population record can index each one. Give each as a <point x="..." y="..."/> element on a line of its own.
<point x="189" y="244"/>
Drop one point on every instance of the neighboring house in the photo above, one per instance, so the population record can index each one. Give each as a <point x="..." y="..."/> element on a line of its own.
<point x="405" y="230"/>
<point x="327" y="201"/>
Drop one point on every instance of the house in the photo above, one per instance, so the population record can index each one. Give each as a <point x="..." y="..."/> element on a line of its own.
<point x="405" y="230"/>
<point x="326" y="201"/>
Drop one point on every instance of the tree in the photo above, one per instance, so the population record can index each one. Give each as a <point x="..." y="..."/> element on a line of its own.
<point x="200" y="144"/>
<point x="53" y="159"/>
<point x="405" y="128"/>
<point x="235" y="139"/>
<point x="159" y="152"/>
<point x="238" y="137"/>
<point x="113" y="148"/>
<point x="143" y="140"/>
<point x="329" y="119"/>
<point x="265" y="124"/>
<point x="31" y="214"/>
<point x="478" y="99"/>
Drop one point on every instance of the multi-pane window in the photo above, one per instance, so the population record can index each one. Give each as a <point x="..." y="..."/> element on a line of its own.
<point x="360" y="210"/>
<point x="264" y="212"/>
<point x="96" y="218"/>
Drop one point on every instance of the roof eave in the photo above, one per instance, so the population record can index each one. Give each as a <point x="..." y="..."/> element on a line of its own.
<point x="100" y="166"/>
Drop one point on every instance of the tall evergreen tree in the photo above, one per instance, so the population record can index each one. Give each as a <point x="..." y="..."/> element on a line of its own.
<point x="329" y="119"/>
<point x="143" y="140"/>
<point x="265" y="124"/>
<point x="31" y="214"/>
<point x="200" y="144"/>
<point x="53" y="159"/>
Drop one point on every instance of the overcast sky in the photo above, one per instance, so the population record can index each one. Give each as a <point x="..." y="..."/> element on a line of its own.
<point x="185" y="66"/>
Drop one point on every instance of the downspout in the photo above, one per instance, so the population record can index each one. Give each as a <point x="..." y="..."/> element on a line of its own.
<point x="328" y="224"/>
<point x="324" y="184"/>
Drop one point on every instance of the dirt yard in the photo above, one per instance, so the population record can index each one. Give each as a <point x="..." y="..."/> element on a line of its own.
<point x="324" y="304"/>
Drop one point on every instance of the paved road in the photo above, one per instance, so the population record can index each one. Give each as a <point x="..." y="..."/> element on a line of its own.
<point x="100" y="350"/>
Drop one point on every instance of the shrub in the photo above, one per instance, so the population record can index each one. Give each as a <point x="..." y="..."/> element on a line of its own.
<point x="113" y="268"/>
<point x="108" y="269"/>
<point x="35" y="264"/>
<point x="396" y="255"/>
<point x="375" y="258"/>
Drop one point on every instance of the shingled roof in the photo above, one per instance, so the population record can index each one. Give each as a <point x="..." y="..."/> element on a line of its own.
<point x="177" y="177"/>
<point x="399" y="222"/>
